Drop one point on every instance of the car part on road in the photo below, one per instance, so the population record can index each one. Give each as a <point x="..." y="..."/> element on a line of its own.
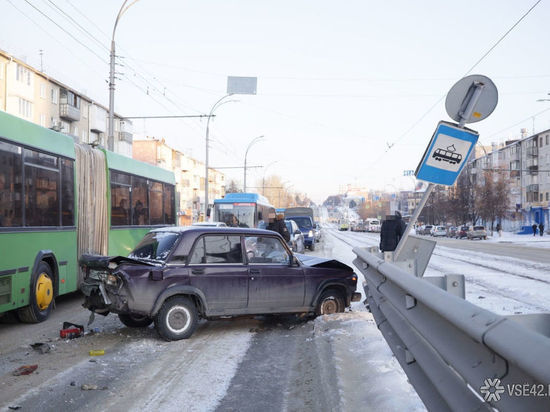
<point x="177" y="318"/>
<point x="41" y="296"/>
<point x="97" y="352"/>
<point x="135" y="321"/>
<point x="24" y="370"/>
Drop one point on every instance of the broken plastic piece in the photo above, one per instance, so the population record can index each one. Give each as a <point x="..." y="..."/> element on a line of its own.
<point x="25" y="370"/>
<point x="98" y="352"/>
<point x="41" y="347"/>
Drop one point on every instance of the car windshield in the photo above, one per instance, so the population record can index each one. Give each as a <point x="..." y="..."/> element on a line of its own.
<point x="303" y="222"/>
<point x="479" y="227"/>
<point x="155" y="246"/>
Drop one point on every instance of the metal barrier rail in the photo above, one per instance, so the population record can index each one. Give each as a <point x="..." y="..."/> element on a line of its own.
<point x="453" y="351"/>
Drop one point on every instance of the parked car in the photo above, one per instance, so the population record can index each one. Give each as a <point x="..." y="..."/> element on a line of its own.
<point x="452" y="231"/>
<point x="343" y="226"/>
<point x="477" y="232"/>
<point x="209" y="224"/>
<point x="439" y="231"/>
<point x="462" y="232"/>
<point x="177" y="275"/>
<point x="296" y="242"/>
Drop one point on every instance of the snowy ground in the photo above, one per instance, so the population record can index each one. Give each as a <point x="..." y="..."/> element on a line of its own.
<point x="524" y="240"/>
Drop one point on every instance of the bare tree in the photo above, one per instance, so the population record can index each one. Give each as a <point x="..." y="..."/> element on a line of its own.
<point x="232" y="187"/>
<point x="493" y="197"/>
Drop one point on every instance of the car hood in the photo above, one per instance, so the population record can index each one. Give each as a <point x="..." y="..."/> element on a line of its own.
<point x="102" y="262"/>
<point x="320" y="262"/>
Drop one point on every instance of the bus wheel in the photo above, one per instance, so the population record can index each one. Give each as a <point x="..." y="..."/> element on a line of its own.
<point x="40" y="296"/>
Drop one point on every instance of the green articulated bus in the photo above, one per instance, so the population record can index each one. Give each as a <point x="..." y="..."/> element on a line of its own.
<point x="58" y="200"/>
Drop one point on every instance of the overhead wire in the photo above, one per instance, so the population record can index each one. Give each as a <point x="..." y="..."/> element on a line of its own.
<point x="467" y="72"/>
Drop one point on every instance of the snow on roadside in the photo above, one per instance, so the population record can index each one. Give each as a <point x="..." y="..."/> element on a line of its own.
<point x="523" y="240"/>
<point x="369" y="377"/>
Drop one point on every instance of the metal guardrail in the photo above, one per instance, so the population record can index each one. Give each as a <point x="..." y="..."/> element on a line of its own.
<point x="458" y="356"/>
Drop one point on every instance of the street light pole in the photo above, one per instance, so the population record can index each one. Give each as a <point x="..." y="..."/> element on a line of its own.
<point x="111" y="133"/>
<point x="256" y="139"/>
<point x="206" y="166"/>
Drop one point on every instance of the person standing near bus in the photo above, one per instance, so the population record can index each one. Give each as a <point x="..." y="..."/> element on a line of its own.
<point x="277" y="224"/>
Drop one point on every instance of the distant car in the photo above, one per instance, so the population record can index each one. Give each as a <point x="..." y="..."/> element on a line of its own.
<point x="343" y="226"/>
<point x="426" y="230"/>
<point x="317" y="232"/>
<point x="462" y="232"/>
<point x="477" y="232"/>
<point x="452" y="231"/>
<point x="439" y="231"/>
<point x="209" y="224"/>
<point x="177" y="275"/>
<point x="296" y="242"/>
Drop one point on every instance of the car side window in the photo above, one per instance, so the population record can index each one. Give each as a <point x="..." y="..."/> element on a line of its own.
<point x="264" y="249"/>
<point x="217" y="249"/>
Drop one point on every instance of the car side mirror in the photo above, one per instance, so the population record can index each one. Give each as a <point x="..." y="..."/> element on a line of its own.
<point x="298" y="232"/>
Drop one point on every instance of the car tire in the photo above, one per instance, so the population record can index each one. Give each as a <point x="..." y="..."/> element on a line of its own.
<point x="330" y="302"/>
<point x="41" y="296"/>
<point x="312" y="247"/>
<point x="135" y="321"/>
<point x="177" y="318"/>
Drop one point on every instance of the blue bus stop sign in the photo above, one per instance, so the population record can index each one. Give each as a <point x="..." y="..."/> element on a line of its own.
<point x="446" y="154"/>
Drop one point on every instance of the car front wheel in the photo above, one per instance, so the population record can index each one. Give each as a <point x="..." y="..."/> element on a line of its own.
<point x="330" y="302"/>
<point x="135" y="321"/>
<point x="177" y="318"/>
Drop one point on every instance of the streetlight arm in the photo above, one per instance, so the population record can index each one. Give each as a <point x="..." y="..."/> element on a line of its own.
<point x="120" y="13"/>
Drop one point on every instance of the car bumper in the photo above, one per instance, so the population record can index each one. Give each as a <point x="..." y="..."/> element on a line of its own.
<point x="356" y="297"/>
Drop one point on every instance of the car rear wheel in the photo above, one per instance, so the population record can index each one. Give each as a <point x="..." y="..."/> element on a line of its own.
<point x="312" y="247"/>
<point x="330" y="302"/>
<point x="135" y="321"/>
<point x="177" y="318"/>
<point x="40" y="296"/>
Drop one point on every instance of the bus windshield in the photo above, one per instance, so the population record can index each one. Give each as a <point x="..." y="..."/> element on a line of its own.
<point x="235" y="215"/>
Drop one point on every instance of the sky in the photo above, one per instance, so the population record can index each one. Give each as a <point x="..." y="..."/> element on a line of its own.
<point x="349" y="93"/>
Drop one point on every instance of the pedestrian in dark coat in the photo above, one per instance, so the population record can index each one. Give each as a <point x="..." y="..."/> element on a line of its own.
<point x="277" y="224"/>
<point x="541" y="228"/>
<point x="391" y="232"/>
<point x="534" y="226"/>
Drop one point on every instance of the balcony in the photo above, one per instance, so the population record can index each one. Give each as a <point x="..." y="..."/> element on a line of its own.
<point x="68" y="112"/>
<point x="533" y="170"/>
<point x="532" y="151"/>
<point x="125" y="137"/>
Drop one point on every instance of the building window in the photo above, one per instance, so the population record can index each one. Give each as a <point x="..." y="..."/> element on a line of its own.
<point x="1" y="71"/>
<point x="547" y="196"/>
<point x="22" y="74"/>
<point x="540" y="142"/>
<point x="43" y="120"/>
<point x="42" y="91"/>
<point x="54" y="96"/>
<point x="547" y="138"/>
<point x="25" y="108"/>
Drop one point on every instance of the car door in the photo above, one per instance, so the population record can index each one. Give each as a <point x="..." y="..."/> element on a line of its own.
<point x="274" y="284"/>
<point x="217" y="269"/>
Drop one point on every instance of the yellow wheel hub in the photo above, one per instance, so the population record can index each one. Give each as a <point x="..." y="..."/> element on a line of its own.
<point x="44" y="291"/>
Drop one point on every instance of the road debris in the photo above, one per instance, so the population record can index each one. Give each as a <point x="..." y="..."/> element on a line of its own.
<point x="41" y="347"/>
<point x="71" y="331"/>
<point x="25" y="370"/>
<point x="14" y="408"/>
<point x="88" y="387"/>
<point x="98" y="352"/>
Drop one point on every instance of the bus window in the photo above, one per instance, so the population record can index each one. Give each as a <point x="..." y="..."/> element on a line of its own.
<point x="10" y="185"/>
<point x="155" y="202"/>
<point x="168" y="193"/>
<point x="67" y="192"/>
<point x="41" y="189"/>
<point x="236" y="215"/>
<point x="120" y="199"/>
<point x="140" y="207"/>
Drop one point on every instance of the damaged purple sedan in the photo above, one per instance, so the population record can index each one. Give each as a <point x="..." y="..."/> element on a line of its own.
<point x="177" y="275"/>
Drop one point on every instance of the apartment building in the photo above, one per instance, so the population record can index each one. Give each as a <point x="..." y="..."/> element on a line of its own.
<point x="189" y="174"/>
<point x="32" y="95"/>
<point x="526" y="166"/>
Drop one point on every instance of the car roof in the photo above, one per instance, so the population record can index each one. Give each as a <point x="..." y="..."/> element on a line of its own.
<point x="214" y="229"/>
